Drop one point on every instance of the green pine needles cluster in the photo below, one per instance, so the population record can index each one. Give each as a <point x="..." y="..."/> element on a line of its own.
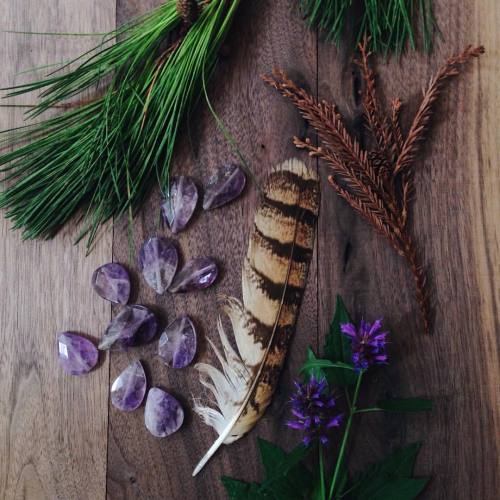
<point x="99" y="160"/>
<point x="391" y="25"/>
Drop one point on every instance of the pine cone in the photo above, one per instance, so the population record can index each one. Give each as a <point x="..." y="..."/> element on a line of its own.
<point x="188" y="10"/>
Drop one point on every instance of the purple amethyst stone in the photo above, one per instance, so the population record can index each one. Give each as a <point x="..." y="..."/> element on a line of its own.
<point x="77" y="355"/>
<point x="180" y="204"/>
<point x="163" y="415"/>
<point x="112" y="282"/>
<point x="158" y="259"/>
<point x="129" y="389"/>
<point x="177" y="345"/>
<point x="224" y="186"/>
<point x="198" y="274"/>
<point x="134" y="325"/>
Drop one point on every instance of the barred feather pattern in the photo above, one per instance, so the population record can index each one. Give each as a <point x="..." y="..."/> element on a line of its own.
<point x="273" y="281"/>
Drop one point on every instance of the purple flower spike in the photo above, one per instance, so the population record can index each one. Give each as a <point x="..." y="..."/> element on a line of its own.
<point x="158" y="259"/>
<point x="177" y="346"/>
<point x="164" y="414"/>
<point x="224" y="186"/>
<point x="180" y="204"/>
<point x="198" y="274"/>
<point x="112" y="282"/>
<point x="77" y="355"/>
<point x="368" y="343"/>
<point x="129" y="389"/>
<point x="313" y="411"/>
<point x="134" y="325"/>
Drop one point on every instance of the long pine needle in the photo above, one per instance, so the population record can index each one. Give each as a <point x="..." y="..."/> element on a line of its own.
<point x="100" y="159"/>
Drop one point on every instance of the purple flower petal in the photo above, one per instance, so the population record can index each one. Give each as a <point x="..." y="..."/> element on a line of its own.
<point x="224" y="186"/>
<point x="348" y="329"/>
<point x="158" y="259"/>
<point x="198" y="274"/>
<point x="112" y="282"/>
<point x="180" y="204"/>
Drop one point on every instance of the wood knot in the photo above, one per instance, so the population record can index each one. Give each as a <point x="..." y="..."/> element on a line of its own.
<point x="188" y="10"/>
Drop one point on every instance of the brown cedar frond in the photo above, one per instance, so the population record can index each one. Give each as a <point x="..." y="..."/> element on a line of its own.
<point x="423" y="117"/>
<point x="378" y="184"/>
<point x="397" y="133"/>
<point x="377" y="122"/>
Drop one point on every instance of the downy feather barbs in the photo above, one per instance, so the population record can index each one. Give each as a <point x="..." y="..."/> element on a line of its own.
<point x="273" y="281"/>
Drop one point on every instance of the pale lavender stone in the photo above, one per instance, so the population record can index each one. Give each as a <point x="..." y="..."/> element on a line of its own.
<point x="224" y="186"/>
<point x="180" y="204"/>
<point x="77" y="355"/>
<point x="134" y="325"/>
<point x="158" y="259"/>
<point x="177" y="345"/>
<point x="112" y="282"/>
<point x="198" y="274"/>
<point x="129" y="389"/>
<point x="163" y="414"/>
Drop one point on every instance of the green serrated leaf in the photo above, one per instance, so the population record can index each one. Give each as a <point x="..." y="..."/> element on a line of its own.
<point x="286" y="477"/>
<point x="309" y="370"/>
<point x="338" y="348"/>
<point x="399" y="465"/>
<point x="318" y="365"/>
<point x="400" y="489"/>
<point x="271" y="456"/>
<point x="405" y="404"/>
<point x="241" y="490"/>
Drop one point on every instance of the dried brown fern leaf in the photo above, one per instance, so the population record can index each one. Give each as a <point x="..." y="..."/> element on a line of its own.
<point x="377" y="184"/>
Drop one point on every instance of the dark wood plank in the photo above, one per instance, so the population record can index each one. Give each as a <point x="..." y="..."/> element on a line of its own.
<point x="53" y="427"/>
<point x="454" y="225"/>
<point x="266" y="34"/>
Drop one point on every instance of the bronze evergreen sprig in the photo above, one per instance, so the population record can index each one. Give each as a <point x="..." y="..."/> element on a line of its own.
<point x="377" y="184"/>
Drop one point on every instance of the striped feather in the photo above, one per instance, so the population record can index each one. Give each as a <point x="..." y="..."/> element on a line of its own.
<point x="273" y="281"/>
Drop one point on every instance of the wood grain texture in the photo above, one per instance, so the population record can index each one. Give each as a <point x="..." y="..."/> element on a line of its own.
<point x="58" y="437"/>
<point x="52" y="427"/>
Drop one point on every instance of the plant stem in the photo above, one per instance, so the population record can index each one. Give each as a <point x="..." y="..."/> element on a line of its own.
<point x="322" y="471"/>
<point x="368" y="410"/>
<point x="343" y="446"/>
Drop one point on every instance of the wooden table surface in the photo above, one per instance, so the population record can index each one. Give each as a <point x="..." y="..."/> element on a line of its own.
<point x="60" y="438"/>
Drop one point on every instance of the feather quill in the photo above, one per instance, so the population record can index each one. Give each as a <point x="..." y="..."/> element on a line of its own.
<point x="273" y="281"/>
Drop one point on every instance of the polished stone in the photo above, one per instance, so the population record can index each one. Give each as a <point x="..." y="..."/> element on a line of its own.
<point x="163" y="414"/>
<point x="177" y="345"/>
<point x="77" y="355"/>
<point x="112" y="282"/>
<point x="129" y="388"/>
<point x="158" y="259"/>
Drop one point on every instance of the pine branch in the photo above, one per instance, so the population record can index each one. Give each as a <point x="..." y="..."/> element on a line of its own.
<point x="390" y="24"/>
<point x="378" y="185"/>
<point x="101" y="159"/>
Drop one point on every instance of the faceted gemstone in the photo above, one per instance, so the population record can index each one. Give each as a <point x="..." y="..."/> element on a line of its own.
<point x="158" y="259"/>
<point x="77" y="355"/>
<point x="180" y="204"/>
<point x="129" y="389"/>
<point x="112" y="283"/>
<point x="177" y="345"/>
<point x="198" y="274"/>
<point x="224" y="186"/>
<point x="163" y="415"/>
<point x="134" y="325"/>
